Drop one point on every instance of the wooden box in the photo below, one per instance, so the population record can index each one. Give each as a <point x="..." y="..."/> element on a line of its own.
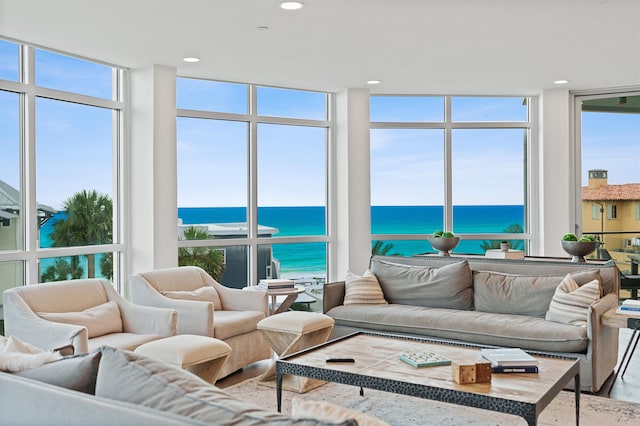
<point x="463" y="373"/>
<point x="471" y="372"/>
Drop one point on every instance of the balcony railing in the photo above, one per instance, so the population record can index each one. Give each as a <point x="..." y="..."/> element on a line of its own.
<point x="622" y="246"/>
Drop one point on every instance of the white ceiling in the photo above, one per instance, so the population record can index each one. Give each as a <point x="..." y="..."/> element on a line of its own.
<point x="413" y="46"/>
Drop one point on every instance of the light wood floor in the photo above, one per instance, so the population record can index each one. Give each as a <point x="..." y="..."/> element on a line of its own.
<point x="627" y="389"/>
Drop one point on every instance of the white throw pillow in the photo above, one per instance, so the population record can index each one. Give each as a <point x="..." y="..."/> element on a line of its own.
<point x="16" y="355"/>
<point x="571" y="302"/>
<point x="203" y="294"/>
<point x="327" y="412"/>
<point x="363" y="290"/>
<point x="99" y="320"/>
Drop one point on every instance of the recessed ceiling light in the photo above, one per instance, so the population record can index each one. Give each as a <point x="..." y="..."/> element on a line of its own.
<point x="191" y="59"/>
<point x="291" y="5"/>
<point x="374" y="81"/>
<point x="561" y="82"/>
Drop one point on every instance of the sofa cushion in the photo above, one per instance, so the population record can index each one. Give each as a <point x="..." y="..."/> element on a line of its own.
<point x="125" y="376"/>
<point x="448" y="286"/>
<point x="570" y="303"/>
<point x="99" y="320"/>
<point x="465" y="326"/>
<point x="519" y="294"/>
<point x="76" y="372"/>
<point x="363" y="289"/>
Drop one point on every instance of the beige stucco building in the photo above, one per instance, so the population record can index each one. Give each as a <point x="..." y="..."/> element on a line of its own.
<point x="613" y="212"/>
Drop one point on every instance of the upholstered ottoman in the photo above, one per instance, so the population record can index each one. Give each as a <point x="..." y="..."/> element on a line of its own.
<point x="201" y="355"/>
<point x="291" y="332"/>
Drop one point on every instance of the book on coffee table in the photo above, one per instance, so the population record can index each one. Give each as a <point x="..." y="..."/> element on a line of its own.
<point x="424" y="359"/>
<point x="516" y="369"/>
<point x="508" y="357"/>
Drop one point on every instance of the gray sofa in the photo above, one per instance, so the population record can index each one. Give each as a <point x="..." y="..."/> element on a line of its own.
<point x="115" y="387"/>
<point x="493" y="302"/>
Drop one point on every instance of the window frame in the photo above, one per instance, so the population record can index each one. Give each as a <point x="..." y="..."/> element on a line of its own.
<point x="253" y="240"/>
<point x="531" y="212"/>
<point x="30" y="253"/>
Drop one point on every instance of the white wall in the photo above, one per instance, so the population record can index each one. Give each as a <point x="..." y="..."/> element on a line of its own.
<point x="556" y="182"/>
<point x="353" y="218"/>
<point x="152" y="197"/>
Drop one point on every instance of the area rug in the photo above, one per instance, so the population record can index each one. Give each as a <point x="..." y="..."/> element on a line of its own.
<point x="406" y="410"/>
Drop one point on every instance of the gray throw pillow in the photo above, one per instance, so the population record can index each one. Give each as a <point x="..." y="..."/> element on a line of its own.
<point x="77" y="372"/>
<point x="128" y="377"/>
<point x="502" y="293"/>
<point x="448" y="286"/>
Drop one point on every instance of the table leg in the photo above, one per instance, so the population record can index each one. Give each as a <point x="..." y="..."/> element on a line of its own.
<point x="576" y="384"/>
<point x="279" y="390"/>
<point x="625" y="361"/>
<point x="286" y="303"/>
<point x="636" y="337"/>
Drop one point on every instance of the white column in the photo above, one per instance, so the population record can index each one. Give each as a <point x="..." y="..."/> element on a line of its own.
<point x="352" y="185"/>
<point x="557" y="194"/>
<point x="152" y="197"/>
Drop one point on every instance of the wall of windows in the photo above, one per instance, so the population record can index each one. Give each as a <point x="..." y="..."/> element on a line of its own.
<point x="458" y="164"/>
<point x="61" y="120"/>
<point x="252" y="181"/>
<point x="608" y="181"/>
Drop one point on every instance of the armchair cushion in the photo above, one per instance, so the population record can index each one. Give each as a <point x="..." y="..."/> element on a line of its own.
<point x="99" y="320"/>
<point x="204" y="294"/>
<point x="233" y="323"/>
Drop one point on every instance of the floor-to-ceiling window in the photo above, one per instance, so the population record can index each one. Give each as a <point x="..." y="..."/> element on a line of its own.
<point x="458" y="164"/>
<point x="252" y="181"/>
<point x="608" y="186"/>
<point x="61" y="120"/>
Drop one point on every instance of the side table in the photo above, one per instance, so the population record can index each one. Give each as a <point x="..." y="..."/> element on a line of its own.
<point x="612" y="318"/>
<point x="290" y="293"/>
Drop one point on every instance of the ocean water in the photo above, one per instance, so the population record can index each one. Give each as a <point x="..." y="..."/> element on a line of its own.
<point x="309" y="260"/>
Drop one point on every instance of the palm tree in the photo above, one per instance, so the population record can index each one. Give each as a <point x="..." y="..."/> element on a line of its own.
<point x="88" y="221"/>
<point x="514" y="228"/>
<point x="211" y="260"/>
<point x="381" y="249"/>
<point x="63" y="270"/>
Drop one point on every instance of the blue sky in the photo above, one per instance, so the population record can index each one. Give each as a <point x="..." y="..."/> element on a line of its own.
<point x="74" y="146"/>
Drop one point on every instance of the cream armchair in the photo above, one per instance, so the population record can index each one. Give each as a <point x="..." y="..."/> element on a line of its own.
<point x="207" y="308"/>
<point x="85" y="314"/>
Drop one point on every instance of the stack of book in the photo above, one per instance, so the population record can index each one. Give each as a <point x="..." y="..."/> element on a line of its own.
<point x="509" y="254"/>
<point x="510" y="360"/>
<point x="275" y="284"/>
<point x="629" y="306"/>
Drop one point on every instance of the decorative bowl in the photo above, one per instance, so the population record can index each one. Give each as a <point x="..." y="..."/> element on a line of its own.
<point x="443" y="245"/>
<point x="579" y="249"/>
